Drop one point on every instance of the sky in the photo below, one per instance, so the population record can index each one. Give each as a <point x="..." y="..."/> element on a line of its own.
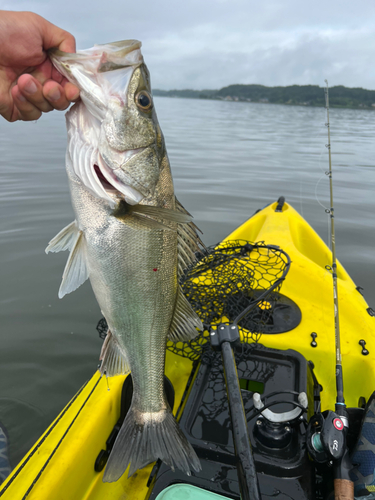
<point x="209" y="44"/>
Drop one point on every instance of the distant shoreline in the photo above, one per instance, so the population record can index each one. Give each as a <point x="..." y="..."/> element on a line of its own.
<point x="293" y="95"/>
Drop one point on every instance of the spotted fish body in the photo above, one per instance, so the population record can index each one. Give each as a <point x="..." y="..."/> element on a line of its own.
<point x="131" y="238"/>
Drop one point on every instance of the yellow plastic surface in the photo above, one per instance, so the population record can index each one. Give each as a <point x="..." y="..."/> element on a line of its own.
<point x="61" y="464"/>
<point x="310" y="285"/>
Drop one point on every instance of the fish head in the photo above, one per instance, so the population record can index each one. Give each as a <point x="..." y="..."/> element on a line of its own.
<point x="117" y="121"/>
<point x="129" y="145"/>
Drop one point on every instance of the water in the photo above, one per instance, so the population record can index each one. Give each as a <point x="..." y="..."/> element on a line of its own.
<point x="228" y="160"/>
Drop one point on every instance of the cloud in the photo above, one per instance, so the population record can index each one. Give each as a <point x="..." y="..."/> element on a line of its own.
<point x="214" y="43"/>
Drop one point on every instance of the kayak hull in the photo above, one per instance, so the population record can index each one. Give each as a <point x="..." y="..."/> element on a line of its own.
<point x="63" y="459"/>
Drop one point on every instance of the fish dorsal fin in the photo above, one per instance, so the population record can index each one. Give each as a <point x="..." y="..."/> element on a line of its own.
<point x="75" y="272"/>
<point x="188" y="241"/>
<point x="185" y="321"/>
<point x="113" y="357"/>
<point x="64" y="240"/>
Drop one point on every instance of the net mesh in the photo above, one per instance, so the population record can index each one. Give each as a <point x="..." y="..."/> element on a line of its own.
<point x="226" y="280"/>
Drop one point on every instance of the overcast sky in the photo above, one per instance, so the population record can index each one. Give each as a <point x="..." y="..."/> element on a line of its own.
<point x="213" y="43"/>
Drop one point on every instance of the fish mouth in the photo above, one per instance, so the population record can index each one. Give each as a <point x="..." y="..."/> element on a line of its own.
<point x="112" y="185"/>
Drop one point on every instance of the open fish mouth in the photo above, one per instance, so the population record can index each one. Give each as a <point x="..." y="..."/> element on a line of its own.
<point x="110" y="182"/>
<point x="99" y="178"/>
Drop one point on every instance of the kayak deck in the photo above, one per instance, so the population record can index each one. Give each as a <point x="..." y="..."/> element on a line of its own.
<point x="62" y="461"/>
<point x="309" y="284"/>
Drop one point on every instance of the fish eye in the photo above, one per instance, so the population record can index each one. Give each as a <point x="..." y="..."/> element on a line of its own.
<point x="143" y="100"/>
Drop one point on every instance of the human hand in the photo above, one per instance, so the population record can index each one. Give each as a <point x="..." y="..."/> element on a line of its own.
<point x="29" y="83"/>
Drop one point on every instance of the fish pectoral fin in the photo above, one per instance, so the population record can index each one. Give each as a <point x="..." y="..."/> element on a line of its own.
<point x="64" y="240"/>
<point x="141" y="222"/>
<point x="185" y="321"/>
<point x="145" y="215"/>
<point x="162" y="213"/>
<point x="75" y="272"/>
<point x="113" y="357"/>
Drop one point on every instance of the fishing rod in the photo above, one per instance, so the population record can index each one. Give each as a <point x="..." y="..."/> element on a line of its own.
<point x="340" y="401"/>
<point x="344" y="487"/>
<point x="326" y="432"/>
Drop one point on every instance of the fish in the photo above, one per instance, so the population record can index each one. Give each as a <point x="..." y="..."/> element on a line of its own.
<point x="132" y="239"/>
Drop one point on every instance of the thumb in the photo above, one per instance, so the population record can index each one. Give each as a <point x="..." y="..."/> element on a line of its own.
<point x="53" y="36"/>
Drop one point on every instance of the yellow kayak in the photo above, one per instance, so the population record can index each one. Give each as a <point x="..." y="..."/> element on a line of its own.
<point x="65" y="463"/>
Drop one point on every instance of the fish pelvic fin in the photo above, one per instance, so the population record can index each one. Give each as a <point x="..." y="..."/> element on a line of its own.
<point x="64" y="240"/>
<point x="113" y="357"/>
<point x="185" y="324"/>
<point x="75" y="272"/>
<point x="143" y="438"/>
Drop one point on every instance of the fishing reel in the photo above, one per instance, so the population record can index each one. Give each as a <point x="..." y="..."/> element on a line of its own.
<point x="326" y="436"/>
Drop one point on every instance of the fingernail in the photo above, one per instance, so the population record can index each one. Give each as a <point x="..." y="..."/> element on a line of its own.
<point x="30" y="87"/>
<point x="54" y="95"/>
<point x="21" y="98"/>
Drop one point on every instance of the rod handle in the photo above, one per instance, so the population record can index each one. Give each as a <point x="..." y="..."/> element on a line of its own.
<point x="344" y="489"/>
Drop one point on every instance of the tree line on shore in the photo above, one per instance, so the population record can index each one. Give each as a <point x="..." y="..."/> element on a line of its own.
<point x="303" y="95"/>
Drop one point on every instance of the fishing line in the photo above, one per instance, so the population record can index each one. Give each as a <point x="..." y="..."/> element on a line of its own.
<point x="312" y="138"/>
<point x="326" y="209"/>
<point x="316" y="194"/>
<point x="300" y="196"/>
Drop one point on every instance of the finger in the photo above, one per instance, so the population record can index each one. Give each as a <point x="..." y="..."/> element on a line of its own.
<point x="32" y="90"/>
<point x="71" y="91"/>
<point x="54" y="93"/>
<point x="26" y="110"/>
<point x="53" y="36"/>
<point x="43" y="72"/>
<point x="56" y="75"/>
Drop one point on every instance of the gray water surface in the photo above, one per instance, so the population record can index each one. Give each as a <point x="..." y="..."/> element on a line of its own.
<point x="228" y="159"/>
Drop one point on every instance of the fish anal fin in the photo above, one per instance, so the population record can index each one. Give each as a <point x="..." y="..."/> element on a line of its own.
<point x="75" y="272"/>
<point x="113" y="357"/>
<point x="185" y="321"/>
<point x="64" y="240"/>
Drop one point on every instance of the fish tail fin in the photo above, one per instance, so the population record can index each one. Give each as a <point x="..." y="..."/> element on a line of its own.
<point x="138" y="444"/>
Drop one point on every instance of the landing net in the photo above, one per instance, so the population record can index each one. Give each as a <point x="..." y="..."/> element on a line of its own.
<point x="228" y="279"/>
